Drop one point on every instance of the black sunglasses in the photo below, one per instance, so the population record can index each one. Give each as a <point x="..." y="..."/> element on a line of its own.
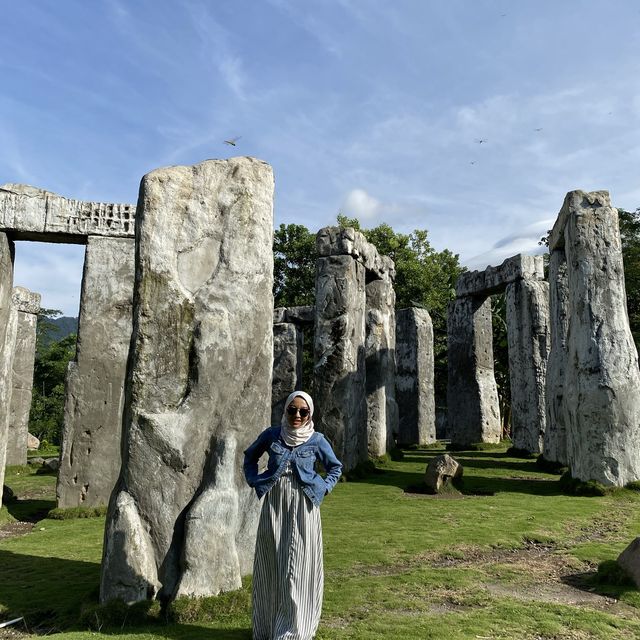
<point x="292" y="411"/>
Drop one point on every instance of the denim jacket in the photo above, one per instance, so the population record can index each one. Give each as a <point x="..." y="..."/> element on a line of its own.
<point x="302" y="458"/>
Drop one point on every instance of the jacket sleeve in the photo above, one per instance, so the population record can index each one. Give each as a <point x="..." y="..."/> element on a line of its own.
<point x="251" y="456"/>
<point x="332" y="465"/>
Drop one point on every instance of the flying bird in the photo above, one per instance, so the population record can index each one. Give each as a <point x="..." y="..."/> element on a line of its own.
<point x="232" y="141"/>
<point x="538" y="129"/>
<point x="481" y="140"/>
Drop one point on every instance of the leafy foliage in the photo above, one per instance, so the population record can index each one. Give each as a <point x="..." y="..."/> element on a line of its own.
<point x="294" y="256"/>
<point x="630" y="236"/>
<point x="50" y="369"/>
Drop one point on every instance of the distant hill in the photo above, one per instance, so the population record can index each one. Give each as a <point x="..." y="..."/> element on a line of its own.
<point x="61" y="328"/>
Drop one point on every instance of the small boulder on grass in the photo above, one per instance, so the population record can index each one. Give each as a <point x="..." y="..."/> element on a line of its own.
<point x="629" y="561"/>
<point x="52" y="464"/>
<point x="33" y="443"/>
<point x="443" y="472"/>
<point x="35" y="462"/>
<point x="7" y="494"/>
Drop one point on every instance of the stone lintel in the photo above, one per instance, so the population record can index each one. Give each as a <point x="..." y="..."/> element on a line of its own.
<point x="25" y="300"/>
<point x="495" y="279"/>
<point x="28" y="212"/>
<point x="301" y="316"/>
<point x="574" y="201"/>
<point x="336" y="241"/>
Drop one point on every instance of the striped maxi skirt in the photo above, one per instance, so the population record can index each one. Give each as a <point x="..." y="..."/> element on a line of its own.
<point x="288" y="576"/>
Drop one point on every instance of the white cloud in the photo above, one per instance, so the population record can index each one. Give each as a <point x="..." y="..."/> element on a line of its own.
<point x="359" y="204"/>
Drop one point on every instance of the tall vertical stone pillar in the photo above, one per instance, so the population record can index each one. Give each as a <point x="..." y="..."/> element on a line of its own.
<point x="8" y="323"/>
<point x="555" y="435"/>
<point x="287" y="366"/>
<point x="528" y="337"/>
<point x="181" y="520"/>
<point x="90" y="457"/>
<point x="415" y="392"/>
<point x="380" y="362"/>
<point x="602" y="382"/>
<point x="27" y="306"/>
<point x="472" y="395"/>
<point x="339" y="348"/>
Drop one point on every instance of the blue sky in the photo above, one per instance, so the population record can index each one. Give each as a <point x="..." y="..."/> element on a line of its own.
<point x="369" y="107"/>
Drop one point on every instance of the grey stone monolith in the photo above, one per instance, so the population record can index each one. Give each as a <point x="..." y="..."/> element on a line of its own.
<point x="380" y="363"/>
<point x="181" y="519"/>
<point x="339" y="349"/>
<point x="555" y="435"/>
<point x="472" y="394"/>
<point x="287" y="366"/>
<point x="528" y="337"/>
<point x="8" y="325"/>
<point x="27" y="306"/>
<point x="602" y="383"/>
<point x="415" y="377"/>
<point x="90" y="457"/>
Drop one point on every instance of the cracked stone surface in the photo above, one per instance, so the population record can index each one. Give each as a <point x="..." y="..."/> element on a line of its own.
<point x="181" y="520"/>
<point x="94" y="399"/>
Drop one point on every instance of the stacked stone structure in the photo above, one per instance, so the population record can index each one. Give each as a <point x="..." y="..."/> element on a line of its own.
<point x="90" y="457"/>
<point x="354" y="341"/>
<point x="415" y="377"/>
<point x="8" y="324"/>
<point x="594" y="365"/>
<point x="27" y="306"/>
<point x="181" y="519"/>
<point x="289" y="326"/>
<point x="472" y="397"/>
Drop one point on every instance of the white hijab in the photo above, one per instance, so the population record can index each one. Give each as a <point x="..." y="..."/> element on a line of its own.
<point x="295" y="437"/>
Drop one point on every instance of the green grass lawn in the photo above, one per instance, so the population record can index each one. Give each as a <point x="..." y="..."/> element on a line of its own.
<point x="511" y="557"/>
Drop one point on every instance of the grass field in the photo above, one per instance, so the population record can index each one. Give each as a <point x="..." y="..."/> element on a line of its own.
<point x="510" y="557"/>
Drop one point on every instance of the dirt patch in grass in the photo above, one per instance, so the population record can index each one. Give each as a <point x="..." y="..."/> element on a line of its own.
<point x="14" y="529"/>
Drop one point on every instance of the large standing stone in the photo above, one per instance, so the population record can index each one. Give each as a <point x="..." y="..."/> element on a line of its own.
<point x="181" y="519"/>
<point x="287" y="366"/>
<point x="602" y="384"/>
<point x="380" y="347"/>
<point x="339" y="372"/>
<point x="27" y="306"/>
<point x="529" y="341"/>
<point x="415" y="377"/>
<point x="555" y="436"/>
<point x="90" y="457"/>
<point x="8" y="322"/>
<point x="472" y="395"/>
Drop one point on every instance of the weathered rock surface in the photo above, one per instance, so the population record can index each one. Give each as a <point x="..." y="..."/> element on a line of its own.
<point x="8" y="325"/>
<point x="528" y="336"/>
<point x="472" y="395"/>
<point x="629" y="560"/>
<point x="300" y="316"/>
<point x="31" y="213"/>
<point x="337" y="241"/>
<point x="51" y="464"/>
<point x="555" y="435"/>
<point x="27" y="306"/>
<point x="339" y="372"/>
<point x="495" y="279"/>
<point x="33" y="443"/>
<point x="415" y="377"/>
<point x="35" y="462"/>
<point x="90" y="456"/>
<point x="380" y="363"/>
<point x="442" y="471"/>
<point x="602" y="383"/>
<point x="287" y="366"/>
<point x="181" y="519"/>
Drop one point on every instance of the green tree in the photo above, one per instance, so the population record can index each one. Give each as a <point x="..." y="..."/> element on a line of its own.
<point x="46" y="417"/>
<point x="294" y="266"/>
<point x="630" y="236"/>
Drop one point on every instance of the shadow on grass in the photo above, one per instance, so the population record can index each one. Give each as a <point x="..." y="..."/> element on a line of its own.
<point x="30" y="510"/>
<point x="51" y="594"/>
<point x="470" y="459"/>
<point x="473" y="485"/>
<point x="602" y="584"/>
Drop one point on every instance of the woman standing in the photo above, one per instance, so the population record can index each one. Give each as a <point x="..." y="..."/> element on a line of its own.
<point x="288" y="576"/>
